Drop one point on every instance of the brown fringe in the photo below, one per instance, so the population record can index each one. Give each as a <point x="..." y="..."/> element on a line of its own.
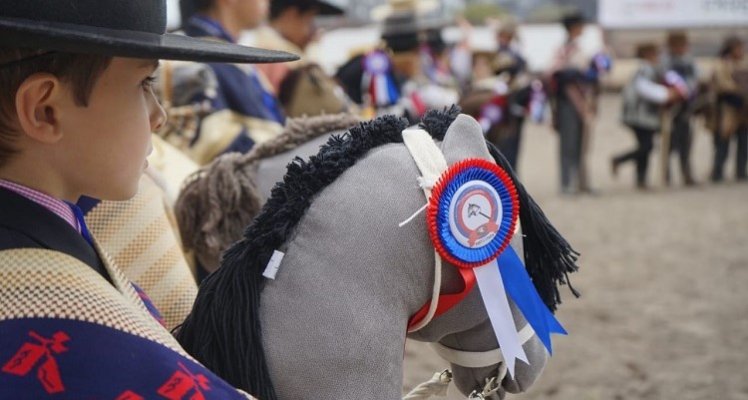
<point x="219" y="201"/>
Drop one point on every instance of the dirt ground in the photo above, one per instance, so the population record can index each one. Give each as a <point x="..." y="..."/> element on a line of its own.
<point x="664" y="311"/>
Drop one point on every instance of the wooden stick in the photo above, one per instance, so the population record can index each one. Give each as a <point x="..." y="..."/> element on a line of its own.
<point x="666" y="130"/>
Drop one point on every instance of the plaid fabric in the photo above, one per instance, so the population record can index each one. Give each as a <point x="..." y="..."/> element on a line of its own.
<point x="56" y="206"/>
<point x="67" y="333"/>
<point x="142" y="241"/>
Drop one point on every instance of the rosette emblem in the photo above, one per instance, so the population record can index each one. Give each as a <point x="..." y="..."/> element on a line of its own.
<point x="472" y="213"/>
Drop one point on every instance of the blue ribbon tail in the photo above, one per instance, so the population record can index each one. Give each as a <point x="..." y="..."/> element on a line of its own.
<point x="392" y="90"/>
<point x="521" y="290"/>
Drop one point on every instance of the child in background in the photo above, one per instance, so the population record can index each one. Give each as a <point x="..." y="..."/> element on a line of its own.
<point x="678" y="59"/>
<point x="643" y="99"/>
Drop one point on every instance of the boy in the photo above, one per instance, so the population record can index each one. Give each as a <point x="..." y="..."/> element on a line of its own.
<point x="76" y="114"/>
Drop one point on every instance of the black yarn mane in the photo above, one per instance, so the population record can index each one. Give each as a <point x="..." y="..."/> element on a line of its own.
<point x="223" y="330"/>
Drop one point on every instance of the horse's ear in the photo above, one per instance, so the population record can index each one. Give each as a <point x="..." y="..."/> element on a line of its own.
<point x="464" y="139"/>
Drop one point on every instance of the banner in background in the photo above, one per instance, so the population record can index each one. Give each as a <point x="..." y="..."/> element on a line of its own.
<point x="637" y="14"/>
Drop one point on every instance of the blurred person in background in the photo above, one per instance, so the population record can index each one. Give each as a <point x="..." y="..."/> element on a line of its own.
<point x="677" y="58"/>
<point x="573" y="103"/>
<point x="460" y="56"/>
<point x="730" y="81"/>
<point x="506" y="38"/>
<point x="292" y="27"/>
<point x="511" y="63"/>
<point x="390" y="79"/>
<point x="500" y="93"/>
<point x="303" y="87"/>
<point x="244" y="90"/>
<point x="643" y="100"/>
<point x="436" y="58"/>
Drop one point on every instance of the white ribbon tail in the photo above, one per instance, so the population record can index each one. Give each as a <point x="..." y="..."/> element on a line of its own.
<point x="497" y="306"/>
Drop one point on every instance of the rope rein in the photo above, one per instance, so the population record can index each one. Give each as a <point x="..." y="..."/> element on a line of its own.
<point x="436" y="386"/>
<point x="439" y="383"/>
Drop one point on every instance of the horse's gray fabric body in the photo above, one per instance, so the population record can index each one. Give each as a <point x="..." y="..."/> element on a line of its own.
<point x="334" y="319"/>
<point x="270" y="170"/>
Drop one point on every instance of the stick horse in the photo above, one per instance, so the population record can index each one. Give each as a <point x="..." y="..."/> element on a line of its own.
<point x="348" y="258"/>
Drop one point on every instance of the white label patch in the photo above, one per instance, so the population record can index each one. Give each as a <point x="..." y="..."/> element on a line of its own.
<point x="275" y="261"/>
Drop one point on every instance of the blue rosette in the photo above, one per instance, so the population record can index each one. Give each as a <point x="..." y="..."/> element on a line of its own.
<point x="473" y="213"/>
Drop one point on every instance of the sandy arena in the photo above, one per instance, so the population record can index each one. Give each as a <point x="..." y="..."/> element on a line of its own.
<point x="664" y="307"/>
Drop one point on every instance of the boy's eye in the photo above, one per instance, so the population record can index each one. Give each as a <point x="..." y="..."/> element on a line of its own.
<point x="148" y="82"/>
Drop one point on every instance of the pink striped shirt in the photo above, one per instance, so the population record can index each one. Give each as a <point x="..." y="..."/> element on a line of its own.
<point x="56" y="206"/>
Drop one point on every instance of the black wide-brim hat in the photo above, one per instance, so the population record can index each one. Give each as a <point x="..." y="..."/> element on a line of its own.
<point x="573" y="18"/>
<point x="117" y="28"/>
<point x="323" y="8"/>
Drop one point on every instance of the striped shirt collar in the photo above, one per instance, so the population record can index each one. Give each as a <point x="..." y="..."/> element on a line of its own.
<point x="56" y="206"/>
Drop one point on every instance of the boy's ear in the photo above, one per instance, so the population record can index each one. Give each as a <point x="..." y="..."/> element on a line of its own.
<point x="37" y="107"/>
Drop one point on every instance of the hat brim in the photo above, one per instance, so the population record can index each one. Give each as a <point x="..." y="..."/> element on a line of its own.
<point x="73" y="38"/>
<point x="381" y="12"/>
<point x="328" y="9"/>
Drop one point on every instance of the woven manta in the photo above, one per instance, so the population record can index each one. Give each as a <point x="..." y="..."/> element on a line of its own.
<point x="362" y="269"/>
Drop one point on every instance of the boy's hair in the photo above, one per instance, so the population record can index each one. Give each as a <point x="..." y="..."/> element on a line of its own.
<point x="644" y="50"/>
<point x="729" y="45"/>
<point x="80" y="71"/>
<point x="203" y="5"/>
<point x="573" y="19"/>
<point x="677" y="38"/>
<point x="188" y="8"/>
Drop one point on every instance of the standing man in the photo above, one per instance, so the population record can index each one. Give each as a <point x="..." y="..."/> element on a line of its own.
<point x="678" y="59"/>
<point x="573" y="101"/>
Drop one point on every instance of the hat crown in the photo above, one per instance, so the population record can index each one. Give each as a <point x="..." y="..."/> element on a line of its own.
<point x="132" y="15"/>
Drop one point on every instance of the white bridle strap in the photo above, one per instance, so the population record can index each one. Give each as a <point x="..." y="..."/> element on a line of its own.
<point x="432" y="164"/>
<point x="427" y="155"/>
<point x="478" y="359"/>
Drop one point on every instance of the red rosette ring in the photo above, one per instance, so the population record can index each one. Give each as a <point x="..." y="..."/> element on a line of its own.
<point x="472" y="213"/>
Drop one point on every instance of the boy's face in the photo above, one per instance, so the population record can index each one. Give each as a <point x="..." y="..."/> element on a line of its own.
<point x="679" y="49"/>
<point x="252" y="13"/>
<point x="105" y="144"/>
<point x="505" y="38"/>
<point x="653" y="57"/>
<point x="738" y="51"/>
<point x="303" y="29"/>
<point x="575" y="30"/>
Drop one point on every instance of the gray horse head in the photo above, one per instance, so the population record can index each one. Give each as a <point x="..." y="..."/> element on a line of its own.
<point x="332" y="323"/>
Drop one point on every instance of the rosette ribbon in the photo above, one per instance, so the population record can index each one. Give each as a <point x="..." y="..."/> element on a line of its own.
<point x="472" y="216"/>
<point x="377" y="80"/>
